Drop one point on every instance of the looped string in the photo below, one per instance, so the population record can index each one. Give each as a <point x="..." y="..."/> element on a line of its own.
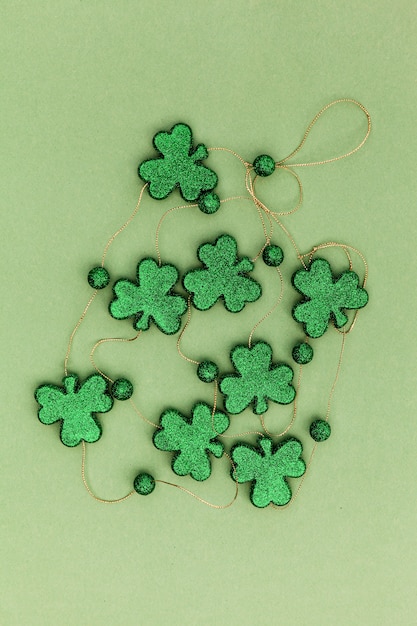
<point x="282" y="164"/>
<point x="310" y="126"/>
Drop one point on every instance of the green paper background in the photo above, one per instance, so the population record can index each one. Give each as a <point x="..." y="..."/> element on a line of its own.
<point x="84" y="86"/>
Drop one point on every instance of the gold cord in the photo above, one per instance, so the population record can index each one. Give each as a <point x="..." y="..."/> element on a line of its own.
<point x="182" y="355"/>
<point x="109" y="340"/>
<point x="86" y="485"/>
<point x="310" y="126"/>
<point x="78" y="324"/>
<point x="113" y="237"/>
<point x="161" y="221"/>
<point x="281" y="293"/>
<point x="210" y="504"/>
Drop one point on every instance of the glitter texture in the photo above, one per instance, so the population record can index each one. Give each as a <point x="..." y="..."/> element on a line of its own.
<point x="264" y="165"/>
<point x="325" y="297"/>
<point x="320" y="430"/>
<point x="267" y="467"/>
<point x="74" y="405"/>
<point x="257" y="381"/>
<point x="151" y="298"/>
<point x="207" y="371"/>
<point x="273" y="255"/>
<point x="144" y="484"/>
<point x="122" y="389"/>
<point x="209" y="202"/>
<point x="178" y="165"/>
<point x="192" y="439"/>
<point x="98" y="277"/>
<point x="224" y="276"/>
<point x="302" y="353"/>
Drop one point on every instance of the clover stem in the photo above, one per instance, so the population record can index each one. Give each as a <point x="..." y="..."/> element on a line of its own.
<point x="69" y="383"/>
<point x="340" y="317"/>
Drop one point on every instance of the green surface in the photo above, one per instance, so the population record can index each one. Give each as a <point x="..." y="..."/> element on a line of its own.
<point x="85" y="87"/>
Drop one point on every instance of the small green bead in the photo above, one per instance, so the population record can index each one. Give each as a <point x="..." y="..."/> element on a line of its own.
<point x="122" y="389"/>
<point x="98" y="277"/>
<point x="273" y="255"/>
<point x="320" y="430"/>
<point x="144" y="484"/>
<point x="264" y="165"/>
<point x="302" y="353"/>
<point x="207" y="371"/>
<point x="209" y="202"/>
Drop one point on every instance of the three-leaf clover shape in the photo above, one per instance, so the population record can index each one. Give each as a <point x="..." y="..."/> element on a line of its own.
<point x="179" y="165"/>
<point x="150" y="298"/>
<point x="75" y="404"/>
<point x="325" y="297"/>
<point x="192" y="439"/>
<point x="258" y="380"/>
<point x="224" y="276"/>
<point x="267" y="467"/>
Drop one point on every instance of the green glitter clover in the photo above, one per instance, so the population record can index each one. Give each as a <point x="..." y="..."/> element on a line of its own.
<point x="257" y="381"/>
<point x="178" y="166"/>
<point x="151" y="298"/>
<point x="192" y="439"/>
<point x="325" y="296"/>
<point x="75" y="404"/>
<point x="267" y="466"/>
<point x="224" y="276"/>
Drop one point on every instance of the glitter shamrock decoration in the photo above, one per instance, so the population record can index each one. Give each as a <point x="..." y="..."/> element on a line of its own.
<point x="179" y="165"/>
<point x="326" y="297"/>
<point x="75" y="405"/>
<point x="192" y="439"/>
<point x="258" y="380"/>
<point x="220" y="274"/>
<point x="151" y="298"/>
<point x="224" y="276"/>
<point x="267" y="467"/>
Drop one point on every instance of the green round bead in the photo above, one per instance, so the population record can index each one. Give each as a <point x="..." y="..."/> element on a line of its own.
<point x="144" y="484"/>
<point x="264" y="165"/>
<point x="209" y="202"/>
<point x="98" y="277"/>
<point x="207" y="371"/>
<point x="273" y="255"/>
<point x="320" y="430"/>
<point x="302" y="353"/>
<point x="122" y="389"/>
